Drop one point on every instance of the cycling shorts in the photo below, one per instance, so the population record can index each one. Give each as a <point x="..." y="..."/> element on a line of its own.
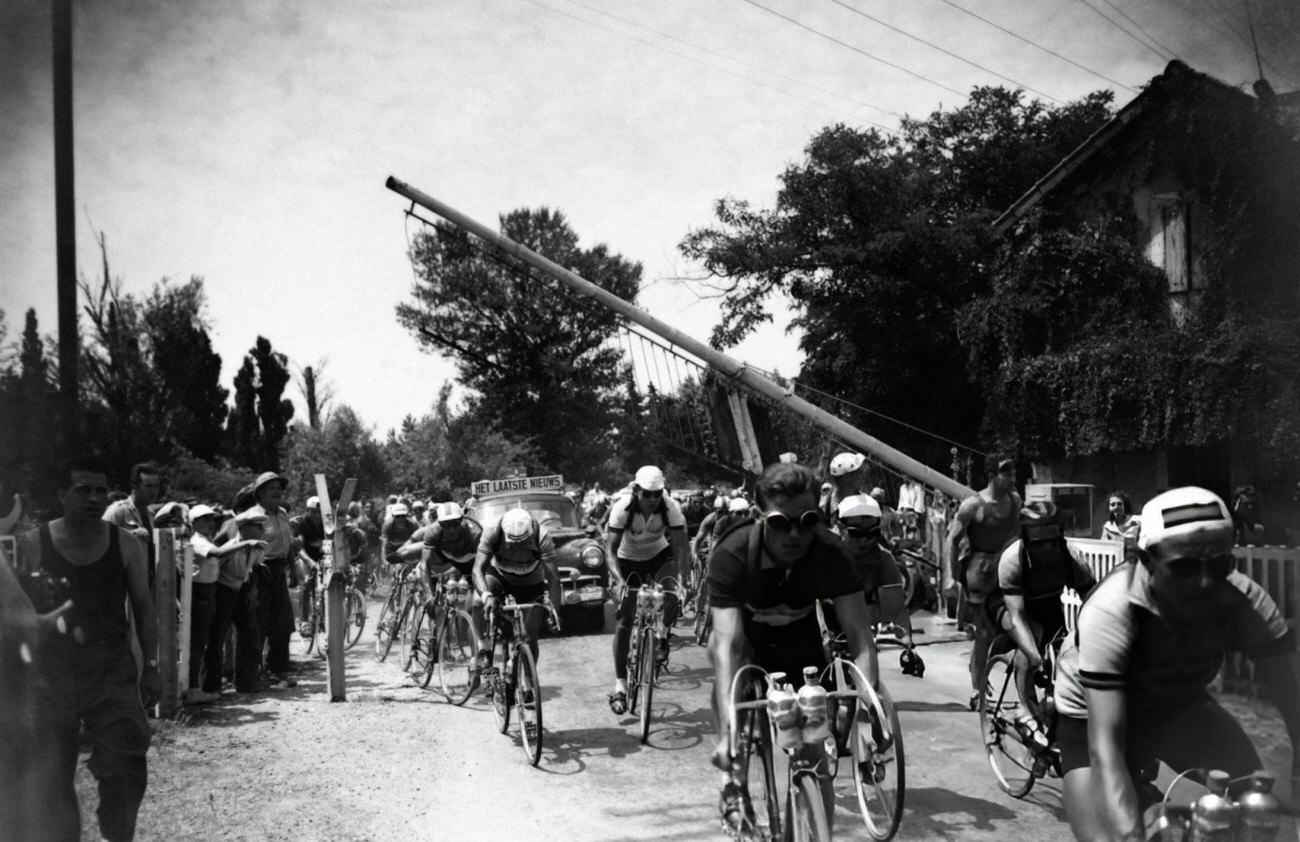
<point x="1197" y="735"/>
<point x="500" y="585"/>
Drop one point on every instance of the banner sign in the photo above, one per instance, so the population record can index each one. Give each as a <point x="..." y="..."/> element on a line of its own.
<point x="489" y="487"/>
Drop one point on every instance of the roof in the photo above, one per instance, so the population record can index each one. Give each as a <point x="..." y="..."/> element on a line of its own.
<point x="1175" y="72"/>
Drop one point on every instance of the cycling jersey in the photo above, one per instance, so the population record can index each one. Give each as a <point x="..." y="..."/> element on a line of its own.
<point x="518" y="562"/>
<point x="1039" y="572"/>
<point x="1122" y="642"/>
<point x="644" y="536"/>
<point x="777" y="601"/>
<point x="877" y="568"/>
<point x="395" y="533"/>
<point x="458" y="549"/>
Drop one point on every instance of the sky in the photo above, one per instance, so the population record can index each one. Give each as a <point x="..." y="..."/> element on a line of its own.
<point x="247" y="141"/>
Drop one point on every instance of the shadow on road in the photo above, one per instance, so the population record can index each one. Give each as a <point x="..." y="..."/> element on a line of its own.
<point x="672" y="728"/>
<point x="935" y="813"/>
<point x="933" y="707"/>
<point x="566" y="752"/>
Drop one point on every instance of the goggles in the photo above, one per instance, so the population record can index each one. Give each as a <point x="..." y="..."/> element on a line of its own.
<point x="1217" y="567"/>
<point x="783" y="525"/>
<point x="651" y="495"/>
<point x="861" y="533"/>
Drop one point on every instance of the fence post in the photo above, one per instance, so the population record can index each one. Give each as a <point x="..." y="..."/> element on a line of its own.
<point x="334" y="580"/>
<point x="185" y="555"/>
<point x="164" y="597"/>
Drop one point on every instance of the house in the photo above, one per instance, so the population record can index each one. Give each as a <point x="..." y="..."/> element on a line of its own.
<point x="1169" y="158"/>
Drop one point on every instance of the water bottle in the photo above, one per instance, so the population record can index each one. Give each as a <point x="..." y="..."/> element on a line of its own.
<point x="813" y="707"/>
<point x="783" y="708"/>
<point x="1213" y="814"/>
<point x="657" y="602"/>
<point x="1259" y="814"/>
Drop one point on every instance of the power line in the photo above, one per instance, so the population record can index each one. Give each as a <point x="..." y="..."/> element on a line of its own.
<point x="857" y="50"/>
<point x="1124" y="29"/>
<point x="1140" y="28"/>
<point x="1038" y="46"/>
<point x="706" y="64"/>
<point x="1238" y="34"/>
<point x="946" y="52"/>
<point x="726" y="57"/>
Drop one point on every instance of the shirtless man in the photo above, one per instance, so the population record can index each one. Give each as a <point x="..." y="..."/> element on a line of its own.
<point x="989" y="521"/>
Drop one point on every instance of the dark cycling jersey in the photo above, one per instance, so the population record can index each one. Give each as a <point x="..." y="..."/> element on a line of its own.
<point x="777" y="602"/>
<point x="457" y="550"/>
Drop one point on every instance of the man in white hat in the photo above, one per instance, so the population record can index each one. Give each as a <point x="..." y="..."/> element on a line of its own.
<point x="516" y="556"/>
<point x="274" y="609"/>
<point x="645" y="541"/>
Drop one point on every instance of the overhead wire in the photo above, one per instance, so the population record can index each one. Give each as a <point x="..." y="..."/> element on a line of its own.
<point x="855" y="49"/>
<point x="1246" y="41"/>
<point x="1140" y="28"/>
<point x="1038" y="46"/>
<point x="725" y="57"/>
<point x="728" y="71"/>
<point x="945" y="51"/>
<point x="1125" y="30"/>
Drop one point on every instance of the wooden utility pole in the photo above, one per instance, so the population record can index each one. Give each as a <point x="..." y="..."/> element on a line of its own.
<point x="65" y="221"/>
<point x="334" y="580"/>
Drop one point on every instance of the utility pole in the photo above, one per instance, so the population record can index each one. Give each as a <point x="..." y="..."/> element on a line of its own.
<point x="65" y="221"/>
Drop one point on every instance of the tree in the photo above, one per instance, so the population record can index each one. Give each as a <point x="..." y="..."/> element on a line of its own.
<point x="537" y="357"/>
<point x="344" y="447"/>
<point x="878" y="241"/>
<point x="317" y="395"/>
<point x="261" y="416"/>
<point x="28" y="400"/>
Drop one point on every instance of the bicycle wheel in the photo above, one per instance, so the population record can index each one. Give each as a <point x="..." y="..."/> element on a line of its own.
<point x="703" y="618"/>
<point x="318" y="631"/>
<point x="1010" y="757"/>
<point x="528" y="702"/>
<point x="417" y="638"/>
<point x="356" y="617"/>
<point x="753" y="764"/>
<point x="878" y="768"/>
<point x="456" y="650"/>
<point x="307" y="631"/>
<point x="385" y="625"/>
<point x="634" y="662"/>
<point x="646" y="679"/>
<point x="808" y="822"/>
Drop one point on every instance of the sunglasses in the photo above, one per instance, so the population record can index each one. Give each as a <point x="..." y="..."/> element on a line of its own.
<point x="1217" y="567"/>
<point x="651" y="495"/>
<point x="783" y="525"/>
<point x="861" y="533"/>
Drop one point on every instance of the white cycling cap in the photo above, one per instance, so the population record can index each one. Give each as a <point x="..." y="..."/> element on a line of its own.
<point x="449" y="511"/>
<point x="858" y="505"/>
<point x="516" y="525"/>
<point x="846" y="463"/>
<point x="649" y="478"/>
<point x="1186" y="521"/>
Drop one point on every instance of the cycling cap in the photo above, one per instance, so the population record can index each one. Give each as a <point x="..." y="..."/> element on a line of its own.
<point x="649" y="478"/>
<point x="200" y="511"/>
<point x="719" y="502"/>
<point x="516" y="525"/>
<point x="878" y="494"/>
<point x="418" y="504"/>
<point x="738" y="504"/>
<point x="858" y="505"/>
<point x="400" y="510"/>
<point x="1186" y="521"/>
<point x="449" y="511"/>
<point x="788" y="457"/>
<point x="846" y="463"/>
<point x="313" y="502"/>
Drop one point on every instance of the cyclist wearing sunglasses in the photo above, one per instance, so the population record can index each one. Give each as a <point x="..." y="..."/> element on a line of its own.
<point x="1032" y="574"/>
<point x="765" y="578"/>
<point x="859" y="519"/>
<point x="646" y="535"/>
<point x="986" y="523"/>
<point x="1131" y="684"/>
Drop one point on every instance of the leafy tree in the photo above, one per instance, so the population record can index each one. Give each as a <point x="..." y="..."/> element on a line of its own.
<point x="344" y="447"/>
<point x="260" y="420"/>
<point x="28" y="400"/>
<point x="878" y="241"/>
<point x="317" y="395"/>
<point x="536" y="356"/>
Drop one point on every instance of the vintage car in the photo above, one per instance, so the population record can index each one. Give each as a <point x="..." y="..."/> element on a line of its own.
<point x="580" y="554"/>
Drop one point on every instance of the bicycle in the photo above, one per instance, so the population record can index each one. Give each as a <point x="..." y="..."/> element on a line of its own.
<point x="643" y="661"/>
<point x="415" y="635"/>
<point x="879" y="768"/>
<point x="312" y="628"/>
<point x="1015" y="756"/>
<point x="805" y="817"/>
<point x="388" y="626"/>
<point x="512" y="680"/>
<point x="455" y="645"/>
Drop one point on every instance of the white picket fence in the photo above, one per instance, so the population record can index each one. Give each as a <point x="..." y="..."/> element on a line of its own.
<point x="1275" y="569"/>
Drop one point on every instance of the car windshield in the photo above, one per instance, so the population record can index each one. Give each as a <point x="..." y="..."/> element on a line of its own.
<point x="553" y="513"/>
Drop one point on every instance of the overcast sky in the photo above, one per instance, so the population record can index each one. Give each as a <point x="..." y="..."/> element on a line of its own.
<point x="248" y="141"/>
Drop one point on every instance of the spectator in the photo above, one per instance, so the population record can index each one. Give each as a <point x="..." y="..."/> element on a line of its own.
<point x="91" y="677"/>
<point x="274" y="609"/>
<point x="236" y="606"/>
<point x="12" y="484"/>
<point x="132" y="513"/>
<point x="1121" y="524"/>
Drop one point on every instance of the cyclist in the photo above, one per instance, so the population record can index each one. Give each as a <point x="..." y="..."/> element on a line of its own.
<point x="704" y="535"/>
<point x="765" y="578"/>
<point x="646" y="532"/>
<point x="859" y="519"/>
<point x="396" y="531"/>
<point x="451" y="543"/>
<point x="988" y="521"/>
<point x="1131" y="683"/>
<point x="309" y="533"/>
<point x="1032" y="573"/>
<point x="516" y="556"/>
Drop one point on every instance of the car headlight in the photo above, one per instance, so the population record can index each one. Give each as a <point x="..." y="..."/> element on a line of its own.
<point x="593" y="556"/>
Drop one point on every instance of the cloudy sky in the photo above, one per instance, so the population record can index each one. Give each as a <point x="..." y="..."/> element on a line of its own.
<point x="247" y="141"/>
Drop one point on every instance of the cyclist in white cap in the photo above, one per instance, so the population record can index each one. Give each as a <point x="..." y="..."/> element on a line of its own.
<point x="516" y="556"/>
<point x="1131" y="683"/>
<point x="646" y="533"/>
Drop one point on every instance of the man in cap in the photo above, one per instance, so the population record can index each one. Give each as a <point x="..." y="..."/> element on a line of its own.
<point x="237" y="606"/>
<point x="987" y="521"/>
<point x="450" y="544"/>
<point x="274" y="609"/>
<point x="516" y="556"/>
<point x="396" y="531"/>
<point x="133" y="514"/>
<point x="645" y="541"/>
<point x="309" y="530"/>
<point x="1131" y="686"/>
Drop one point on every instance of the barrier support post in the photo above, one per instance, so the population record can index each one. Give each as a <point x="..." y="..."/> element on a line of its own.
<point x="334" y="579"/>
<point x="164" y="596"/>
